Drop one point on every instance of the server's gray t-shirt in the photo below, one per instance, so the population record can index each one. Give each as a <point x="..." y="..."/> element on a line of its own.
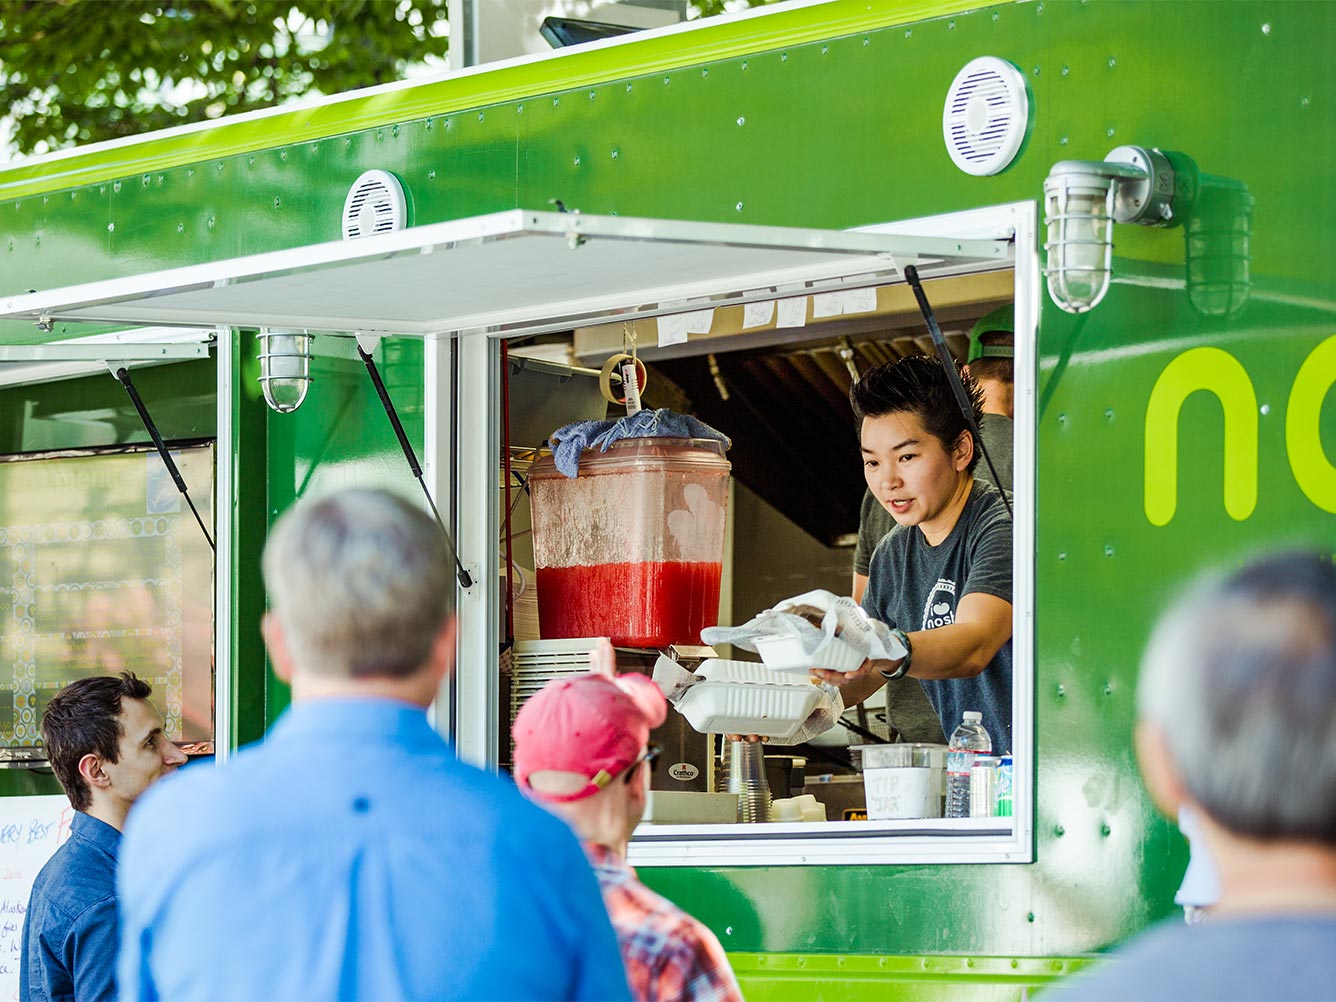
<point x="916" y="586"/>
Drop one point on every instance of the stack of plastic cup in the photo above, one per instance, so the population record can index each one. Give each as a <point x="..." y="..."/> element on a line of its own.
<point x="746" y="778"/>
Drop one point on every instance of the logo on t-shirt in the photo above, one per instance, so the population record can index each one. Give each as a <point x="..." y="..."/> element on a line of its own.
<point x="940" y="609"/>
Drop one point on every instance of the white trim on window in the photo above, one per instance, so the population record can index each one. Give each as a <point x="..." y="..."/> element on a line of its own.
<point x="903" y="842"/>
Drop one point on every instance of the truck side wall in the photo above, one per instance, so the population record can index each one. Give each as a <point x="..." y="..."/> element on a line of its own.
<point x="843" y="131"/>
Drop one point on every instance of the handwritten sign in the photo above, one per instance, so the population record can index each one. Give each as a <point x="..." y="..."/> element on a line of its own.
<point x="758" y="314"/>
<point x="31" y="829"/>
<point x="792" y="312"/>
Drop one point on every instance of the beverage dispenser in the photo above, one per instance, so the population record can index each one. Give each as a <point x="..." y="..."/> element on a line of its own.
<point x="633" y="547"/>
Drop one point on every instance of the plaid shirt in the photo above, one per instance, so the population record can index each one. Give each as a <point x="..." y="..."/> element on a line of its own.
<point x="668" y="954"/>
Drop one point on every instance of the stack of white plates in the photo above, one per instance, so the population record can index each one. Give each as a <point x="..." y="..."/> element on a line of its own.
<point x="534" y="663"/>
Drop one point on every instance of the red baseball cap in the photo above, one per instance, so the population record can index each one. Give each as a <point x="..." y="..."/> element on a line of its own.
<point x="590" y="725"/>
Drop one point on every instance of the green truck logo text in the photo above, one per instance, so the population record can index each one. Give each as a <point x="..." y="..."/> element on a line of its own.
<point x="1218" y="372"/>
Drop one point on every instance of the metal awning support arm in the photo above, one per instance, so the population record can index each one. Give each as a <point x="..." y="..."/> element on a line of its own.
<point x="963" y="398"/>
<point x="123" y="374"/>
<point x="465" y="580"/>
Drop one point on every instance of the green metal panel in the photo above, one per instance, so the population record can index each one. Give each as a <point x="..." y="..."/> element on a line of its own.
<point x="830" y="116"/>
<point x="777" y="977"/>
<point x="340" y="437"/>
<point x="252" y="700"/>
<point x="367" y="111"/>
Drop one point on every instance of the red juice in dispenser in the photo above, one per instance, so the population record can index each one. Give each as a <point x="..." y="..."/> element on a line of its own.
<point x="632" y="548"/>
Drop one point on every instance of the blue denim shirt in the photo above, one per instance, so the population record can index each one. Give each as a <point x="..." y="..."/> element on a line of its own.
<point x="69" y="930"/>
<point x="351" y="856"/>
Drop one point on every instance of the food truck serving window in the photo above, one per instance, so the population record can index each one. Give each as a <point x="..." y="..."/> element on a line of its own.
<point x="471" y="285"/>
<point x="626" y="505"/>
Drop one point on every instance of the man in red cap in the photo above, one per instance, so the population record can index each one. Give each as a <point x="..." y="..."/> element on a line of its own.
<point x="582" y="750"/>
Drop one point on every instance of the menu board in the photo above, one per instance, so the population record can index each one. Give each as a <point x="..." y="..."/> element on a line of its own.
<point x="103" y="568"/>
<point x="31" y="829"/>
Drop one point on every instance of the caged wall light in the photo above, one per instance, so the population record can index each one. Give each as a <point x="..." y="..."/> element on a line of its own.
<point x="285" y="359"/>
<point x="1082" y="201"/>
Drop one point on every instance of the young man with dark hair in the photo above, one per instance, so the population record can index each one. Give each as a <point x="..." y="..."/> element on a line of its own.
<point x="990" y="366"/>
<point x="106" y="746"/>
<point x="942" y="576"/>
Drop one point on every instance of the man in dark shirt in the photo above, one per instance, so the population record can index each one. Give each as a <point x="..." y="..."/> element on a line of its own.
<point x="943" y="575"/>
<point x="106" y="746"/>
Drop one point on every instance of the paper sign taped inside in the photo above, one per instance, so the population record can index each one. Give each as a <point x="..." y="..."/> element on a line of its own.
<point x="699" y="321"/>
<point x="673" y="329"/>
<point x="827" y="304"/>
<point x="792" y="312"/>
<point x="758" y="314"/>
<point x="860" y="301"/>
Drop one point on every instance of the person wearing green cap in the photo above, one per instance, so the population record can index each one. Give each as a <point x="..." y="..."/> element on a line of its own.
<point x="991" y="366"/>
<point x="989" y="363"/>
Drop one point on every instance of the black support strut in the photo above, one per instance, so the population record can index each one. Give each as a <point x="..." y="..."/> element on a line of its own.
<point x="465" y="580"/>
<point x="944" y="353"/>
<point x="123" y="374"/>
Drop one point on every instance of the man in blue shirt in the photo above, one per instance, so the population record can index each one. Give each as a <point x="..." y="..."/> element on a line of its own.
<point x="106" y="745"/>
<point x="351" y="856"/>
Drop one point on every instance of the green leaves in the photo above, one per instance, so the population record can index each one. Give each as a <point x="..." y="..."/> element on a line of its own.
<point x="79" y="71"/>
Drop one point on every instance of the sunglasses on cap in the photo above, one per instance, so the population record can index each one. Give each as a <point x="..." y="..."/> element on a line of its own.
<point x="652" y="753"/>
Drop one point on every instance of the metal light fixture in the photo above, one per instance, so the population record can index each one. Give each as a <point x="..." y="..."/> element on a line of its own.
<point x="285" y="361"/>
<point x="1082" y="201"/>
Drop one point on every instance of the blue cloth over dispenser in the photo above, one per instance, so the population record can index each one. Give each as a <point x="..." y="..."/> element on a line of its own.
<point x="569" y="441"/>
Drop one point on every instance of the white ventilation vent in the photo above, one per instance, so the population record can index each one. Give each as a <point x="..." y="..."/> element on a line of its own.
<point x="985" y="116"/>
<point x="375" y="204"/>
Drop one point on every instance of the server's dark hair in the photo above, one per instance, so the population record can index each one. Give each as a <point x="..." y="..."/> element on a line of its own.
<point x="917" y="384"/>
<point x="83" y="718"/>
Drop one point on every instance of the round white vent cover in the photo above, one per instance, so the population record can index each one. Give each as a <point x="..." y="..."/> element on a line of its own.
<point x="375" y="204"/>
<point x="985" y="116"/>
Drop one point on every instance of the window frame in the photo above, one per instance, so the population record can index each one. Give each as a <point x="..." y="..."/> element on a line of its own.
<point x="471" y="434"/>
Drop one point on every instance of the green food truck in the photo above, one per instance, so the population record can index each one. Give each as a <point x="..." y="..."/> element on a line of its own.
<point x="736" y="203"/>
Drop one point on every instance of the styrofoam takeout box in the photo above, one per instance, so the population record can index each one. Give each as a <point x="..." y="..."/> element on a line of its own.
<point x="784" y="652"/>
<point x="740" y="697"/>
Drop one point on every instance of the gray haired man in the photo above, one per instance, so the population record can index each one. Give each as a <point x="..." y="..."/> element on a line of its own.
<point x="351" y="855"/>
<point x="1237" y="705"/>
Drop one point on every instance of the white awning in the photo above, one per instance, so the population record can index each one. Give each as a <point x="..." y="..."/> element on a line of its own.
<point x="39" y="363"/>
<point x="509" y="271"/>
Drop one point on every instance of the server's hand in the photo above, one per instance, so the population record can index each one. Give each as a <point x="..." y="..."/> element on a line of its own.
<point x="856" y="686"/>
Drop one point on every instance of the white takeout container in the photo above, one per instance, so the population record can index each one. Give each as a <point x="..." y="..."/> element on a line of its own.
<point x="742" y="697"/>
<point x="784" y="652"/>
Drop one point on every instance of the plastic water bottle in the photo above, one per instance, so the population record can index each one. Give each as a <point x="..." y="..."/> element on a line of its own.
<point x="968" y="740"/>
